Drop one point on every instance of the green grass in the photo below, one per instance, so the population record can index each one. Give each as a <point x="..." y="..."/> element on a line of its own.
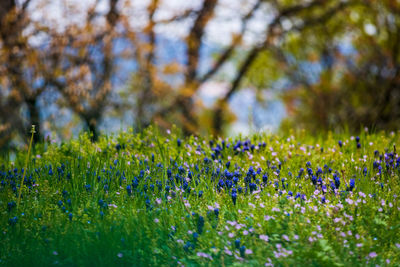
<point x="107" y="224"/>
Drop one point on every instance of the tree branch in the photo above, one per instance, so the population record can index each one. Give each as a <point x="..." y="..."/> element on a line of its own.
<point x="226" y="54"/>
<point x="194" y="38"/>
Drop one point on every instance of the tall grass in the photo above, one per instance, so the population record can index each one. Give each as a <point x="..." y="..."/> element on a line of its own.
<point x="154" y="199"/>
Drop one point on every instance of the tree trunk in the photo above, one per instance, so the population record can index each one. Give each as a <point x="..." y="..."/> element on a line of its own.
<point x="94" y="132"/>
<point x="218" y="121"/>
<point x="91" y="124"/>
<point x="34" y="119"/>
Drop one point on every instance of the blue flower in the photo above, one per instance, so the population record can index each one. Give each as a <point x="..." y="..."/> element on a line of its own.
<point x="234" y="197"/>
<point x="216" y="212"/>
<point x="118" y="147"/>
<point x="237" y="243"/>
<point x="129" y="190"/>
<point x="365" y="171"/>
<point x="252" y="187"/>
<point x="228" y="164"/>
<point x="11" y="205"/>
<point x="337" y="181"/>
<point x="314" y="180"/>
<point x="188" y="246"/>
<point x="340" y="143"/>
<point x="13" y="221"/>
<point x="200" y="224"/>
<point x="265" y="178"/>
<point x="352" y="184"/>
<point x="333" y="186"/>
<point x="181" y="170"/>
<point x="242" y="250"/>
<point x="70" y="216"/>
<point x="195" y="236"/>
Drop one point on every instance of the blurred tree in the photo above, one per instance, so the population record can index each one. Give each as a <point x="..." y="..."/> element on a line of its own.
<point x="20" y="68"/>
<point x="178" y="103"/>
<point x="82" y="59"/>
<point x="79" y="59"/>
<point x="76" y="59"/>
<point x="357" y="82"/>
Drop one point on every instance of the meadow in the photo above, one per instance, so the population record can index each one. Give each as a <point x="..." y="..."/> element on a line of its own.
<point x="158" y="199"/>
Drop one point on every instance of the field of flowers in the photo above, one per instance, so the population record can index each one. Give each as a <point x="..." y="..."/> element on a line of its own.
<point x="153" y="199"/>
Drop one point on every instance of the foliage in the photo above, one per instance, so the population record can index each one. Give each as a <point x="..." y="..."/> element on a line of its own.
<point x="343" y="73"/>
<point x="154" y="199"/>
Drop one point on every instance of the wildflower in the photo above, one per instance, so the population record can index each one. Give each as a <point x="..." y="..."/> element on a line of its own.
<point x="188" y="246"/>
<point x="13" y="221"/>
<point x="237" y="243"/>
<point x="204" y="255"/>
<point x="264" y="237"/>
<point x="129" y="189"/>
<point x="87" y="187"/>
<point x="352" y="184"/>
<point x="11" y="205"/>
<point x="195" y="236"/>
<point x="337" y="181"/>
<point x="242" y="250"/>
<point x="314" y="180"/>
<point x="227" y="251"/>
<point x="248" y="251"/>
<point x="70" y="216"/>
<point x="200" y="224"/>
<point x="234" y="197"/>
<point x="216" y="212"/>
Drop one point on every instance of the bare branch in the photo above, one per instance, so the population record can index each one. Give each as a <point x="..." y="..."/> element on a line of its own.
<point x="195" y="36"/>
<point x="226" y="54"/>
<point x="186" y="14"/>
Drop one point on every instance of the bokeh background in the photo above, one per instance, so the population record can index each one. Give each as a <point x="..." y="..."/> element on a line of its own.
<point x="220" y="67"/>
